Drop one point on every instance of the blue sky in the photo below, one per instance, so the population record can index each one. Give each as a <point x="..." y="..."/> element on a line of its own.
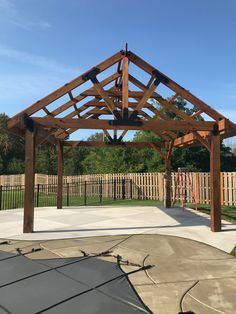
<point x="44" y="44"/>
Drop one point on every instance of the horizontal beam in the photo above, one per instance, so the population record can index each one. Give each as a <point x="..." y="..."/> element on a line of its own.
<point x="118" y="104"/>
<point x="226" y="129"/>
<point x="189" y="138"/>
<point x="107" y="144"/>
<point x="42" y="135"/>
<point x="117" y="94"/>
<point x="152" y="124"/>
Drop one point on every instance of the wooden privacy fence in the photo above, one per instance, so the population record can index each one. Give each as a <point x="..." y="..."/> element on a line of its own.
<point x="142" y="186"/>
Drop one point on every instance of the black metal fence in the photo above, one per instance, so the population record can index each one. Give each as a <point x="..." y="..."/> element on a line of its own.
<point x="74" y="194"/>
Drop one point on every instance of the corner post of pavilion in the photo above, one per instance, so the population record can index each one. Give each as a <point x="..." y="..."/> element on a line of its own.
<point x="215" y="194"/>
<point x="28" y="225"/>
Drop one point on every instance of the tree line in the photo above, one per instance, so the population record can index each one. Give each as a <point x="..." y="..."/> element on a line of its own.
<point x="82" y="160"/>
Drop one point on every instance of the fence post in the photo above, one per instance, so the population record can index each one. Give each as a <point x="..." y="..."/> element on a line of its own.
<point x="67" y="194"/>
<point x="114" y="195"/>
<point x="85" y="193"/>
<point x="100" y="192"/>
<point x="197" y="188"/>
<point x="123" y="188"/>
<point x="37" y="196"/>
<point x="131" y="188"/>
<point x="222" y="188"/>
<point x="0" y="197"/>
<point x="138" y="192"/>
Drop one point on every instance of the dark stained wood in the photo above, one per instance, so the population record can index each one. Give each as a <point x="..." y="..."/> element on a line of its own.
<point x="215" y="183"/>
<point x="29" y="181"/>
<point x="105" y="124"/>
<point x="169" y="149"/>
<point x="59" y="174"/>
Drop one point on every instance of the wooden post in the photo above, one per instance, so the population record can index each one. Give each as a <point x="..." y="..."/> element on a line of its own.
<point x="125" y="87"/>
<point x="59" y="174"/>
<point x="222" y="188"/>
<point x="215" y="183"/>
<point x="197" y="188"/>
<point x="167" y="184"/>
<point x="29" y="181"/>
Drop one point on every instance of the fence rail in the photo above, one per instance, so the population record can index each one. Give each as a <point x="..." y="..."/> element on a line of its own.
<point x="141" y="186"/>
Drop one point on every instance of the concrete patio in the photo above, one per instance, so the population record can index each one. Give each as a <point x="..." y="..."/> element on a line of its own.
<point x="73" y="222"/>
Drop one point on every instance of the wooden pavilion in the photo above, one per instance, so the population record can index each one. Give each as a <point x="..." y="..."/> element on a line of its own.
<point x="111" y="98"/>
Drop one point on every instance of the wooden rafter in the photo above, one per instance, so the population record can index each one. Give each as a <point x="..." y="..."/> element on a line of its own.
<point x="81" y="96"/>
<point x="176" y="87"/>
<point x="109" y="102"/>
<point x="64" y="89"/>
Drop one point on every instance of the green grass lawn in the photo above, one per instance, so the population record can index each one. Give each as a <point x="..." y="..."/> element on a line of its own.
<point x="77" y="201"/>
<point x="228" y="212"/>
<point x="233" y="252"/>
<point x="15" y="199"/>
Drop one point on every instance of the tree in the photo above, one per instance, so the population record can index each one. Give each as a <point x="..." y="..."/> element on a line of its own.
<point x="73" y="160"/>
<point x="46" y="160"/>
<point x="11" y="149"/>
<point x="115" y="160"/>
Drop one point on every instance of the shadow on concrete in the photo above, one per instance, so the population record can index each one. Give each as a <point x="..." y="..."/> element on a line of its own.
<point x="187" y="218"/>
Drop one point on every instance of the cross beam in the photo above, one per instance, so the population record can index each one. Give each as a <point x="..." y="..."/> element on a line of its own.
<point x="120" y="125"/>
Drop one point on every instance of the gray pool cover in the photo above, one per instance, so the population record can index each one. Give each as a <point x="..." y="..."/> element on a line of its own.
<point x="75" y="285"/>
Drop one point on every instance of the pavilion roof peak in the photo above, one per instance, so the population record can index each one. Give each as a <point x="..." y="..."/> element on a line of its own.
<point x="124" y="92"/>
